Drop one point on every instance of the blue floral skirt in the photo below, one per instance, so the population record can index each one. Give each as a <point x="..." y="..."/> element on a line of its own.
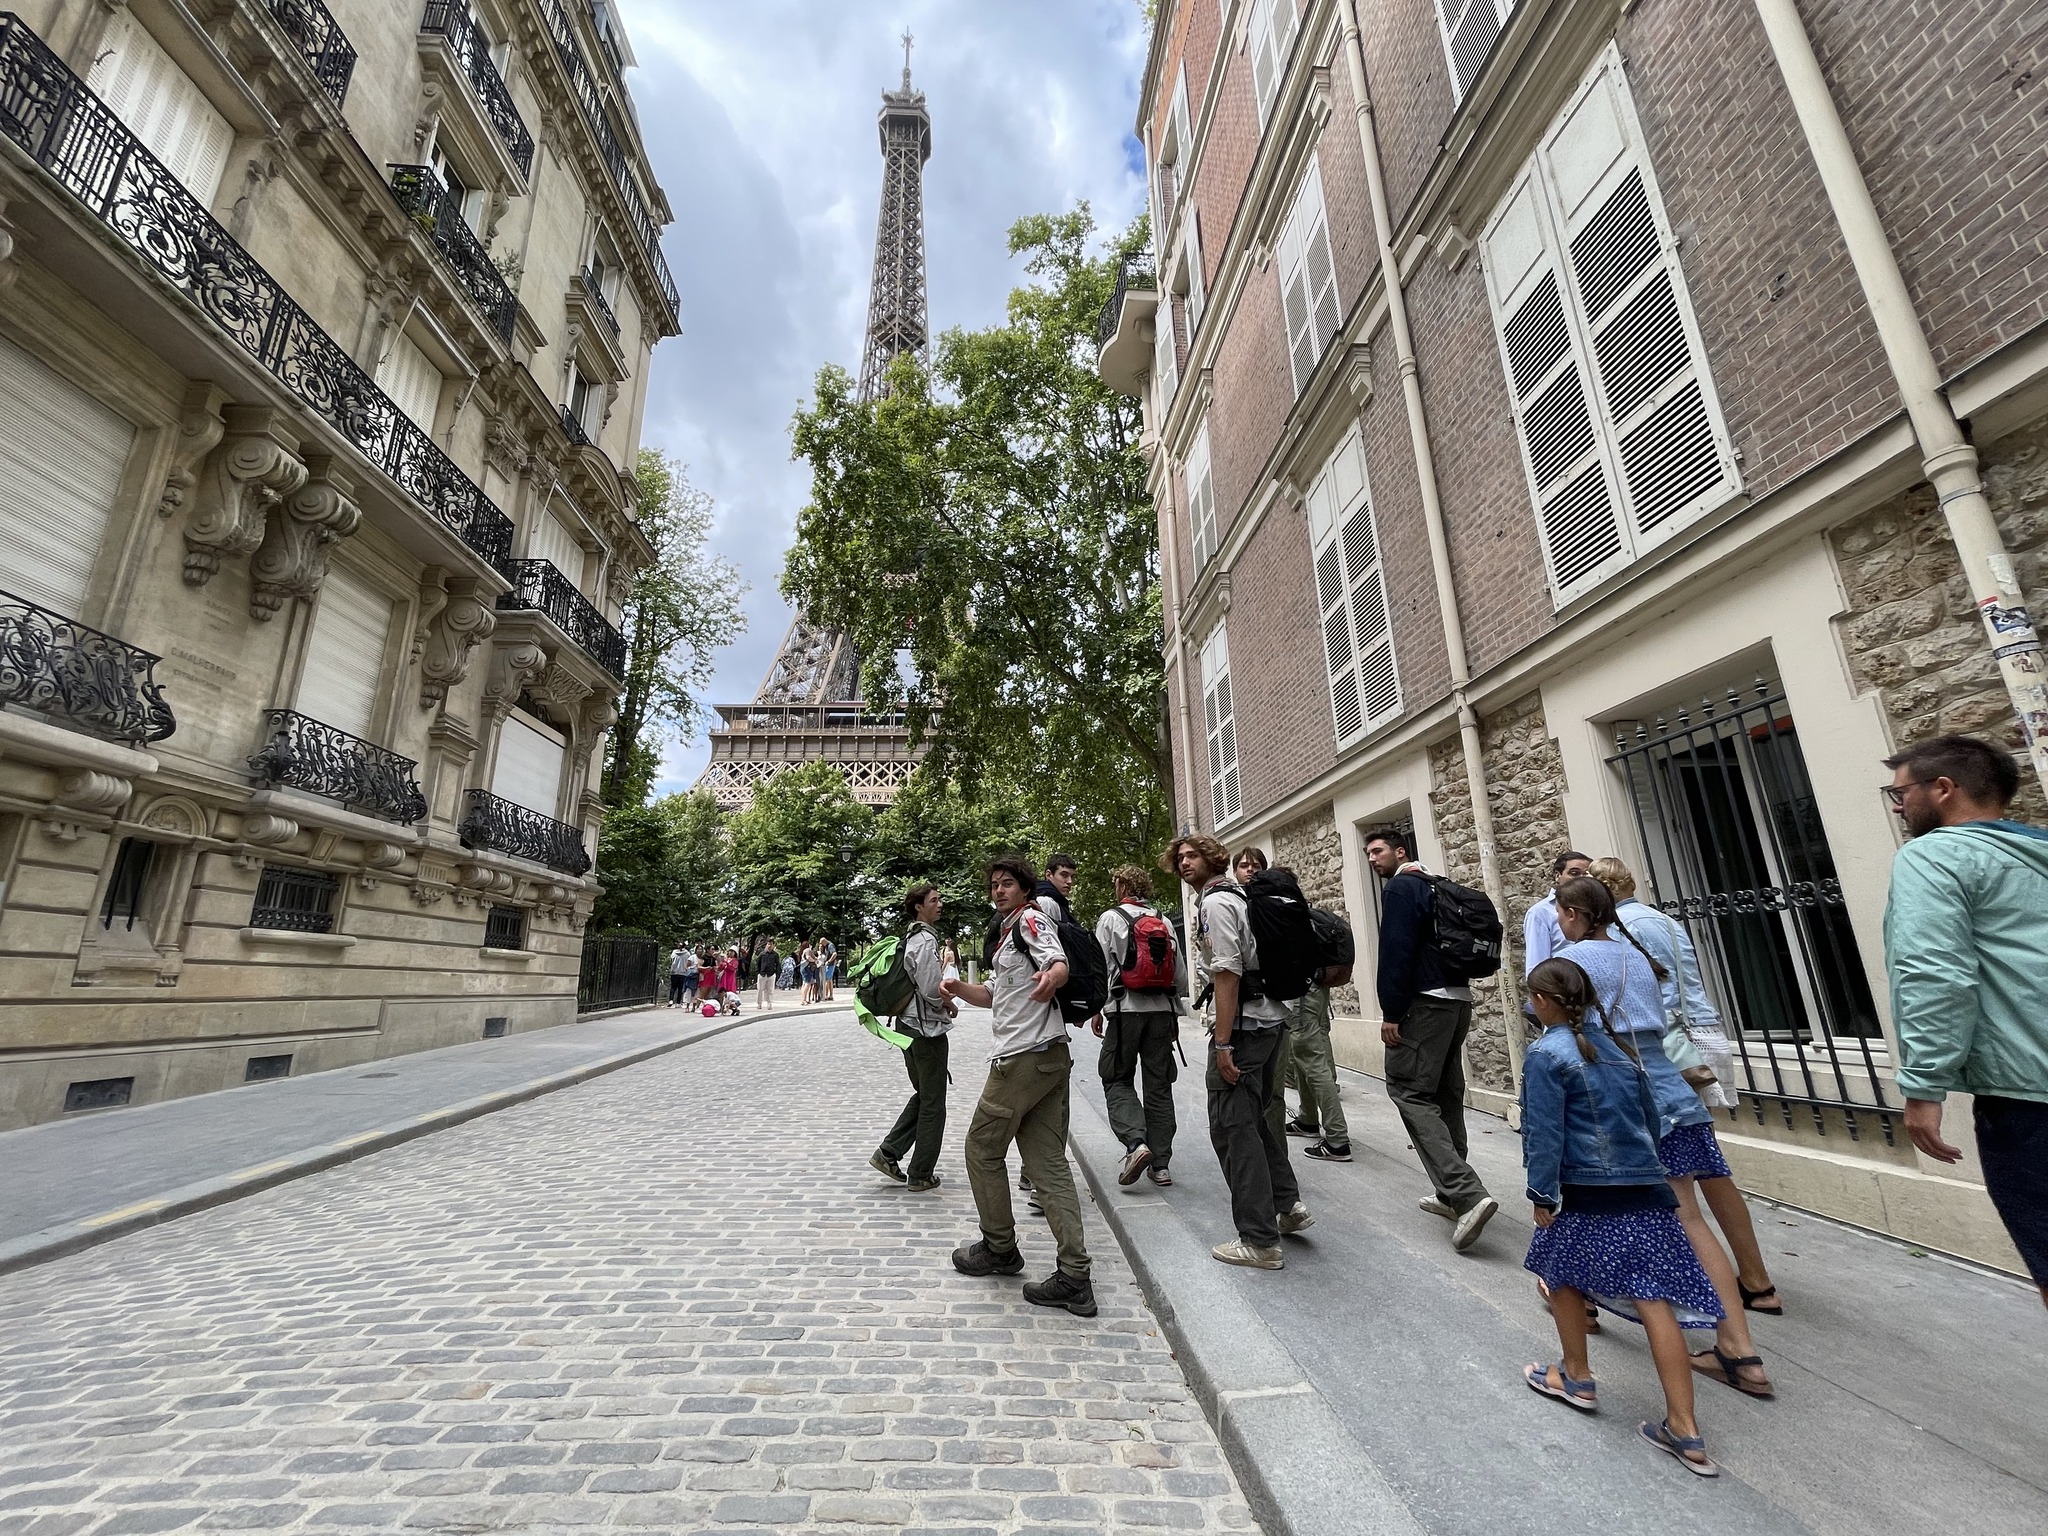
<point x="1691" y="1152"/>
<point x="1616" y="1260"/>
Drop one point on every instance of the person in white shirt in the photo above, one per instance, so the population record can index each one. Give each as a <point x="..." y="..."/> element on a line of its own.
<point x="922" y="1125"/>
<point x="1541" y="937"/>
<point x="1138" y="1030"/>
<point x="1025" y="1098"/>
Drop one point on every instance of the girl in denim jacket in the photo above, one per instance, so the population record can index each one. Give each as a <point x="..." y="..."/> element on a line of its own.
<point x="1606" y="1223"/>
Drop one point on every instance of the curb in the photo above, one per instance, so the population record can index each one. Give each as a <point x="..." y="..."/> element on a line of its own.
<point x="1302" y="1471"/>
<point x="90" y="1232"/>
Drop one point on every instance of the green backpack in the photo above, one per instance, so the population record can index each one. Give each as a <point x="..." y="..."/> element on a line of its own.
<point x="882" y="983"/>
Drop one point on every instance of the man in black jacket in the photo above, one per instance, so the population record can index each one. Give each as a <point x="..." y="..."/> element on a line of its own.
<point x="1425" y="1015"/>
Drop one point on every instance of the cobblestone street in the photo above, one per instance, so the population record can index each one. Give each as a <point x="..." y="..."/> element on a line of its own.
<point x="670" y="1299"/>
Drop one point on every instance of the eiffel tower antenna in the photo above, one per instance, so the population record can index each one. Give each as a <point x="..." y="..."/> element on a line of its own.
<point x="897" y="321"/>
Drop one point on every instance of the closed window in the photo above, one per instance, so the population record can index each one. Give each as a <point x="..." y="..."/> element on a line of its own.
<point x="1308" y="279"/>
<point x="412" y="381"/>
<point x="344" y="669"/>
<point x="1622" y="435"/>
<point x="162" y="106"/>
<point x="61" y="456"/>
<point x="586" y="400"/>
<point x="1165" y="354"/>
<point x="126" y="901"/>
<point x="1269" y="40"/>
<point x="1469" y="28"/>
<point x="1201" y="501"/>
<point x="1351" y="595"/>
<point x="1176" y="156"/>
<point x="1184" y="272"/>
<point x="1220" y="718"/>
<point x="529" y="767"/>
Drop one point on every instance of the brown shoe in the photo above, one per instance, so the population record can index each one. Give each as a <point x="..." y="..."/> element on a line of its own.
<point x="1135" y="1163"/>
<point x="1159" y="1176"/>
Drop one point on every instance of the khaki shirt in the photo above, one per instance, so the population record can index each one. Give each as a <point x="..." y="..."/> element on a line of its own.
<point x="1021" y="1024"/>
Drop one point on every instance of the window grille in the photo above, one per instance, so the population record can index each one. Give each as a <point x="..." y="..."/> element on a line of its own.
<point x="505" y="928"/>
<point x="128" y="887"/>
<point x="295" y="900"/>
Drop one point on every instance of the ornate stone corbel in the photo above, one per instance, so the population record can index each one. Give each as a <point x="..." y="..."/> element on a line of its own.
<point x="558" y="686"/>
<point x="463" y="618"/>
<point x="200" y="429"/>
<point x="514" y="665"/>
<point x="600" y="714"/>
<point x="382" y="855"/>
<point x="1358" y="374"/>
<point x="427" y="114"/>
<point x="255" y="464"/>
<point x="96" y="793"/>
<point x="1453" y="245"/>
<point x="502" y="449"/>
<point x="268" y="831"/>
<point x="425" y="894"/>
<point x="611" y="398"/>
<point x="292" y="561"/>
<point x="257" y="171"/>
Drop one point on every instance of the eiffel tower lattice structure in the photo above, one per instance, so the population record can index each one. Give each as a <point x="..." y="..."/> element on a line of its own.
<point x="809" y="707"/>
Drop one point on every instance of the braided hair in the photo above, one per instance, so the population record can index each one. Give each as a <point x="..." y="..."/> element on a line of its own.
<point x="1595" y="903"/>
<point x="1572" y="989"/>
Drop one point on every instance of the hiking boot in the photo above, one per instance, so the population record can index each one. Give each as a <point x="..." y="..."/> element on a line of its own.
<point x="1472" y="1223"/>
<point x="1436" y="1207"/>
<point x="1244" y="1255"/>
<point x="977" y="1258"/>
<point x="1135" y="1163"/>
<point x="1060" y="1289"/>
<point x="919" y="1186"/>
<point x="1034" y="1205"/>
<point x="1328" y="1151"/>
<point x="1024" y="1182"/>
<point x="1159" y="1175"/>
<point x="1295" y="1219"/>
<point x="887" y="1167"/>
<point x="1295" y="1127"/>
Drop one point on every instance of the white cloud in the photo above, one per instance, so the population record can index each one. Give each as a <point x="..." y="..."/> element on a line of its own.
<point x="760" y="118"/>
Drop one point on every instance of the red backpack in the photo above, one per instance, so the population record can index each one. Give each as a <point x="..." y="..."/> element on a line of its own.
<point x="1149" y="962"/>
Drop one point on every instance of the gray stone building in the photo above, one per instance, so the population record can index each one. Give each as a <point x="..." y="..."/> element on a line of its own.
<point x="324" y="336"/>
<point x="1608" y="425"/>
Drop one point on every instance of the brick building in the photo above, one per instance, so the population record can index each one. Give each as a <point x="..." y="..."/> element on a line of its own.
<point x="324" y="338"/>
<point x="1535" y="427"/>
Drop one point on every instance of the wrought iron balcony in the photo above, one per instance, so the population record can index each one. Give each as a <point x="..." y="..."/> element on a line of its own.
<point x="493" y="822"/>
<point x="304" y="753"/>
<point x="1124" y="351"/>
<point x="563" y="32"/>
<point x="317" y="35"/>
<point x="73" y="673"/>
<point x="439" y="212"/>
<point x="540" y="584"/>
<point x="86" y="149"/>
<point x="451" y="19"/>
<point x="572" y="428"/>
<point x="589" y="283"/>
<point x="1128" y="276"/>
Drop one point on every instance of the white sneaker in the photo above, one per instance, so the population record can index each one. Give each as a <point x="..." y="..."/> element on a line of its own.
<point x="1436" y="1207"/>
<point x="1472" y="1223"/>
<point x="1244" y="1255"/>
<point x="1295" y="1218"/>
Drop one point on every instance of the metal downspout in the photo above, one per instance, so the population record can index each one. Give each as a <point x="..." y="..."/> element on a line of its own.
<point x="1433" y="520"/>
<point x="1947" y="458"/>
<point x="1170" y="543"/>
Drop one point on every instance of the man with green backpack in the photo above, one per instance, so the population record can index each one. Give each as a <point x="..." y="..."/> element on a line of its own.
<point x="904" y="984"/>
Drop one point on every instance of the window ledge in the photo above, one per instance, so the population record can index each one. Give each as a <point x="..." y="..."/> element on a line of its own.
<point x="289" y="936"/>
<point x="508" y="956"/>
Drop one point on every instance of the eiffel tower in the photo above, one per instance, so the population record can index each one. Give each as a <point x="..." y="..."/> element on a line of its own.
<point x="809" y="707"/>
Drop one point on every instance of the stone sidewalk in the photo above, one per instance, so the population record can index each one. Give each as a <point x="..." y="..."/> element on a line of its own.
<point x="670" y="1299"/>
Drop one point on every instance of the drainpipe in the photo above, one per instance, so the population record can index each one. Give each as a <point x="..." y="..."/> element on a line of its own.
<point x="1170" y="540"/>
<point x="1433" y="520"/>
<point x="1946" y="456"/>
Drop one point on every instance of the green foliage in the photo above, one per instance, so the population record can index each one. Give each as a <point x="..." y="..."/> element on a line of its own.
<point x="665" y="869"/>
<point x="987" y="522"/>
<point x="797" y="859"/>
<point x="934" y="832"/>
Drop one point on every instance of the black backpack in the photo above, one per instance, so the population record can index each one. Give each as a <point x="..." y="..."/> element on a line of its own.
<point x="1464" y="929"/>
<point x="1336" y="948"/>
<point x="1284" y="934"/>
<point x="1087" y="985"/>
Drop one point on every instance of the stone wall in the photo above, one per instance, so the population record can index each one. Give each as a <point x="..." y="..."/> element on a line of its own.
<point x="1525" y="787"/>
<point x="1910" y="630"/>
<point x="1311" y="847"/>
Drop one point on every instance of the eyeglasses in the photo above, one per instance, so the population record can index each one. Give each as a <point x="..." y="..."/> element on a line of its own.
<point x="1896" y="793"/>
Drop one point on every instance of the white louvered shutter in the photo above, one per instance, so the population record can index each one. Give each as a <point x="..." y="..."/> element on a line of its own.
<point x="1351" y="595"/>
<point x="1165" y="353"/>
<point x="1469" y="28"/>
<point x="338" y="685"/>
<point x="162" y="107"/>
<point x="529" y="767"/>
<point x="1201" y="501"/>
<point x="1269" y="41"/>
<point x="61" y="458"/>
<point x="1308" y="279"/>
<point x="412" y="381"/>
<point x="1220" y="717"/>
<point x="1191" y="249"/>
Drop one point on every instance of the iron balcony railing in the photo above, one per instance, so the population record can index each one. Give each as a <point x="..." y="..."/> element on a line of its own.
<point x="451" y="19"/>
<point x="73" y="135"/>
<point x="1130" y="275"/>
<point x="598" y="301"/>
<point x="317" y="35"/>
<point x="295" y="900"/>
<point x="437" y="211"/>
<point x="304" y="753"/>
<point x="572" y="428"/>
<point x="72" y="672"/>
<point x="618" y="971"/>
<point x="495" y="823"/>
<point x="563" y="32"/>
<point x="540" y="584"/>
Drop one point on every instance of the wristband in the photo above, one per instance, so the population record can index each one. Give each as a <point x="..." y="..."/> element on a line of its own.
<point x="1227" y="1050"/>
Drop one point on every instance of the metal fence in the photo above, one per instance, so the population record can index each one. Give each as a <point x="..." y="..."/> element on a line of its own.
<point x="620" y="970"/>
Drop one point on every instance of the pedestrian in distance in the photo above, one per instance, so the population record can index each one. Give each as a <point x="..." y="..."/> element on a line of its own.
<point x="1140" y="1027"/>
<point x="828" y="964"/>
<point x="1966" y="945"/>
<point x="1025" y="1099"/>
<point x="728" y="974"/>
<point x="1425" y="1015"/>
<point x="678" y="968"/>
<point x="922" y="1125"/>
<point x="1627" y="989"/>
<point x="786" y="980"/>
<point x="693" y="972"/>
<point x="1541" y="937"/>
<point x="1698" y="1046"/>
<point x="1606" y="1228"/>
<point x="1245" y="1034"/>
<point x="767" y="971"/>
<point x="809" y="963"/>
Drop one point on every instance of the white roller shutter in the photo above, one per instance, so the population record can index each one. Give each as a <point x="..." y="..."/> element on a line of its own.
<point x="529" y="767"/>
<point x="345" y="654"/>
<point x="549" y="540"/>
<point x="162" y="107"/>
<point x="61" y="457"/>
<point x="412" y="381"/>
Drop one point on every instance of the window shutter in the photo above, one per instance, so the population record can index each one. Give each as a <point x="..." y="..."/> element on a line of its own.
<point x="1259" y="43"/>
<point x="345" y="654"/>
<point x="162" y="107"/>
<point x="1220" y="715"/>
<point x="550" y="540"/>
<point x="1308" y="279"/>
<point x="61" y="457"/>
<point x="1192" y="242"/>
<point x="1469" y="28"/>
<point x="412" y="381"/>
<point x="1201" y="501"/>
<point x="529" y="767"/>
<point x="1358" y="642"/>
<point x="1165" y="353"/>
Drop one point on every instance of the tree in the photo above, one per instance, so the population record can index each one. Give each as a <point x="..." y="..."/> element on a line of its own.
<point x="665" y="868"/>
<point x="797" y="857"/>
<point x="683" y="608"/>
<point x="984" y="534"/>
<point x="934" y="831"/>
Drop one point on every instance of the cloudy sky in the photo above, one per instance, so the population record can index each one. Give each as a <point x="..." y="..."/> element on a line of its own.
<point x="760" y="116"/>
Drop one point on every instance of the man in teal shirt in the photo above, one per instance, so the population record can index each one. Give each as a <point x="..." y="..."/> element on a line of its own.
<point x="1966" y="942"/>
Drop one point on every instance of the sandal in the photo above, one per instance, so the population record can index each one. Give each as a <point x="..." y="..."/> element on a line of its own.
<point x="1578" y="1393"/>
<point x="1592" y="1312"/>
<point x="1680" y="1447"/>
<point x="1731" y="1366"/>
<point x="1751" y="1300"/>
